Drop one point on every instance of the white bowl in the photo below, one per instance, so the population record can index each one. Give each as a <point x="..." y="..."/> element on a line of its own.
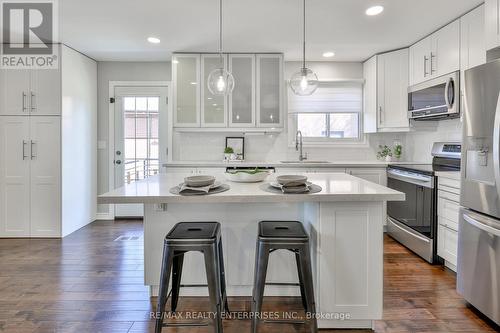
<point x="199" y="181"/>
<point x="243" y="177"/>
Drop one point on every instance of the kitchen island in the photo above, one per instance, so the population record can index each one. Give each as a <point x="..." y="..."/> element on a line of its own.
<point x="344" y="221"/>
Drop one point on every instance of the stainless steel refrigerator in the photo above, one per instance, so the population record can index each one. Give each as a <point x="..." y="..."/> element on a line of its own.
<point x="478" y="270"/>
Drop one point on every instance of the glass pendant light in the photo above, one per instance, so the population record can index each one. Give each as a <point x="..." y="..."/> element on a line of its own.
<point x="220" y="81"/>
<point x="305" y="81"/>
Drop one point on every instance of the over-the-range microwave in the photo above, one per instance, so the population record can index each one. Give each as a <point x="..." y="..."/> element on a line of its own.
<point x="438" y="98"/>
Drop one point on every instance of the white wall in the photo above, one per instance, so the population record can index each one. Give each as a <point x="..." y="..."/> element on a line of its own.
<point x="418" y="143"/>
<point x="119" y="71"/>
<point x="79" y="140"/>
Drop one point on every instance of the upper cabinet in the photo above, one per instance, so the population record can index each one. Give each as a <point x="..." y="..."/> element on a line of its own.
<point x="436" y="55"/>
<point x="385" y="93"/>
<point x="30" y="92"/>
<point x="256" y="101"/>
<point x="492" y="19"/>
<point x="269" y="89"/>
<point x="186" y="75"/>
<point x="213" y="107"/>
<point x="242" y="99"/>
<point x="472" y="39"/>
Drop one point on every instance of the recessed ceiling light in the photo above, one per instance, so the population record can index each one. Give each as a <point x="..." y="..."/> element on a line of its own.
<point x="328" y="54"/>
<point x="154" y="40"/>
<point x="375" y="10"/>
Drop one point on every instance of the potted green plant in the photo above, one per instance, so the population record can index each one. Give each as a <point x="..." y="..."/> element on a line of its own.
<point x="398" y="151"/>
<point x="228" y="153"/>
<point x="384" y="153"/>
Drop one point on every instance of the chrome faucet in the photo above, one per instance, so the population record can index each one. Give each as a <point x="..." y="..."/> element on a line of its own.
<point x="298" y="146"/>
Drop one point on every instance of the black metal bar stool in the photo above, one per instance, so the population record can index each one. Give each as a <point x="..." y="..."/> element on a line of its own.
<point x="287" y="235"/>
<point x="203" y="237"/>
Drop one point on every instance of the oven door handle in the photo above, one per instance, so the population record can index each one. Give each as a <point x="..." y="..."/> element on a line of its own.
<point x="421" y="179"/>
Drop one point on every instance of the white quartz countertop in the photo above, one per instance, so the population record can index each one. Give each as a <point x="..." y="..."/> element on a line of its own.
<point x="306" y="164"/>
<point x="336" y="187"/>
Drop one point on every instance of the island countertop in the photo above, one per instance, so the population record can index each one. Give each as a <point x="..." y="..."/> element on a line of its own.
<point x="336" y="187"/>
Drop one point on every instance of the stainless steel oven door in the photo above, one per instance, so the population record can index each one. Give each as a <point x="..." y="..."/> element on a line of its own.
<point x="439" y="97"/>
<point x="412" y="222"/>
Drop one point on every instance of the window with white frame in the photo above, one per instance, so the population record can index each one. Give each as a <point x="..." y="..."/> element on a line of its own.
<point x="332" y="114"/>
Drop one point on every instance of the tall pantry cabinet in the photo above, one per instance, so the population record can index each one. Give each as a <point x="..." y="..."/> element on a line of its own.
<point x="48" y="148"/>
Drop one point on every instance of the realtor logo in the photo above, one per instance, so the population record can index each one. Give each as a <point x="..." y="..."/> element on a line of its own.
<point x="29" y="31"/>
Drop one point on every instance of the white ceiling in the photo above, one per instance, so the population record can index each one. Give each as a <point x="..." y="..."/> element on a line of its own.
<point x="117" y="29"/>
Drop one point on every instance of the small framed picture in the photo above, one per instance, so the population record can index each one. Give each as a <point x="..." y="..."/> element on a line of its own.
<point x="238" y="146"/>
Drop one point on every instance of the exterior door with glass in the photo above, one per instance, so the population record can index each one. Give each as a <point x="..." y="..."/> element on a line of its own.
<point x="140" y="145"/>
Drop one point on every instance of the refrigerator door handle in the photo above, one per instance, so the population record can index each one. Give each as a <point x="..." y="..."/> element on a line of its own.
<point x="496" y="147"/>
<point x="482" y="226"/>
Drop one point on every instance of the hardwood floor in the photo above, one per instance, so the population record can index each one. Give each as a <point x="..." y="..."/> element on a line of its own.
<point x="91" y="281"/>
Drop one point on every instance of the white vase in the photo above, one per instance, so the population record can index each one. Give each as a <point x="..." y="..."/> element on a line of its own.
<point x="388" y="158"/>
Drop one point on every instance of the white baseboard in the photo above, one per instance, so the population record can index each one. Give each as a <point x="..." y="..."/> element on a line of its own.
<point x="104" y="216"/>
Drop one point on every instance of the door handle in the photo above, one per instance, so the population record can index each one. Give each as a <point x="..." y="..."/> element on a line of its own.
<point x="480" y="225"/>
<point x="433" y="56"/>
<point x="496" y="146"/>
<point x="425" y="65"/>
<point x="24" y="102"/>
<point x="449" y="103"/>
<point x="24" y="149"/>
<point x="380" y="114"/>
<point x="32" y="102"/>
<point x="33" y="143"/>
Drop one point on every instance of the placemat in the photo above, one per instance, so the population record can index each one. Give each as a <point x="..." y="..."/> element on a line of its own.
<point x="220" y="189"/>
<point x="268" y="188"/>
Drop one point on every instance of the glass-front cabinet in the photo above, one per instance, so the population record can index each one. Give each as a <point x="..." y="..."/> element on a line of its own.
<point x="186" y="90"/>
<point x="256" y="101"/>
<point x="269" y="89"/>
<point x="242" y="99"/>
<point x="213" y="107"/>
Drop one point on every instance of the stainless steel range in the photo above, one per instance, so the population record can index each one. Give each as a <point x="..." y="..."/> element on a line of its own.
<point x="413" y="222"/>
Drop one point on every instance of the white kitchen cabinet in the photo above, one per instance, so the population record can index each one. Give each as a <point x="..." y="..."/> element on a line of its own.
<point x="213" y="107"/>
<point x="45" y="176"/>
<point x="24" y="92"/>
<point x="492" y="19"/>
<point x="419" y="61"/>
<point x="374" y="175"/>
<point x="448" y="219"/>
<point x="385" y="93"/>
<point x="186" y="90"/>
<point x="269" y="86"/>
<point x="472" y="39"/>
<point x="392" y="91"/>
<point x="14" y="176"/>
<point x="370" y="124"/>
<point x="43" y="191"/>
<point x="435" y="55"/>
<point x="242" y="99"/>
<point x="30" y="167"/>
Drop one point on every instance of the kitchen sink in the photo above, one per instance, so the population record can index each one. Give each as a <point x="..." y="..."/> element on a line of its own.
<point x="305" y="162"/>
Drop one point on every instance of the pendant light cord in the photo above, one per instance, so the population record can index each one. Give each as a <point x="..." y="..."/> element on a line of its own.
<point x="220" y="30"/>
<point x="304" y="36"/>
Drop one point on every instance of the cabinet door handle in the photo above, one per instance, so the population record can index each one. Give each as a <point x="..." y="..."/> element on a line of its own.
<point x="33" y="143"/>
<point x="32" y="101"/>
<point x="24" y="149"/>
<point x="433" y="56"/>
<point x="425" y="66"/>
<point x="24" y="102"/>
<point x="380" y="114"/>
